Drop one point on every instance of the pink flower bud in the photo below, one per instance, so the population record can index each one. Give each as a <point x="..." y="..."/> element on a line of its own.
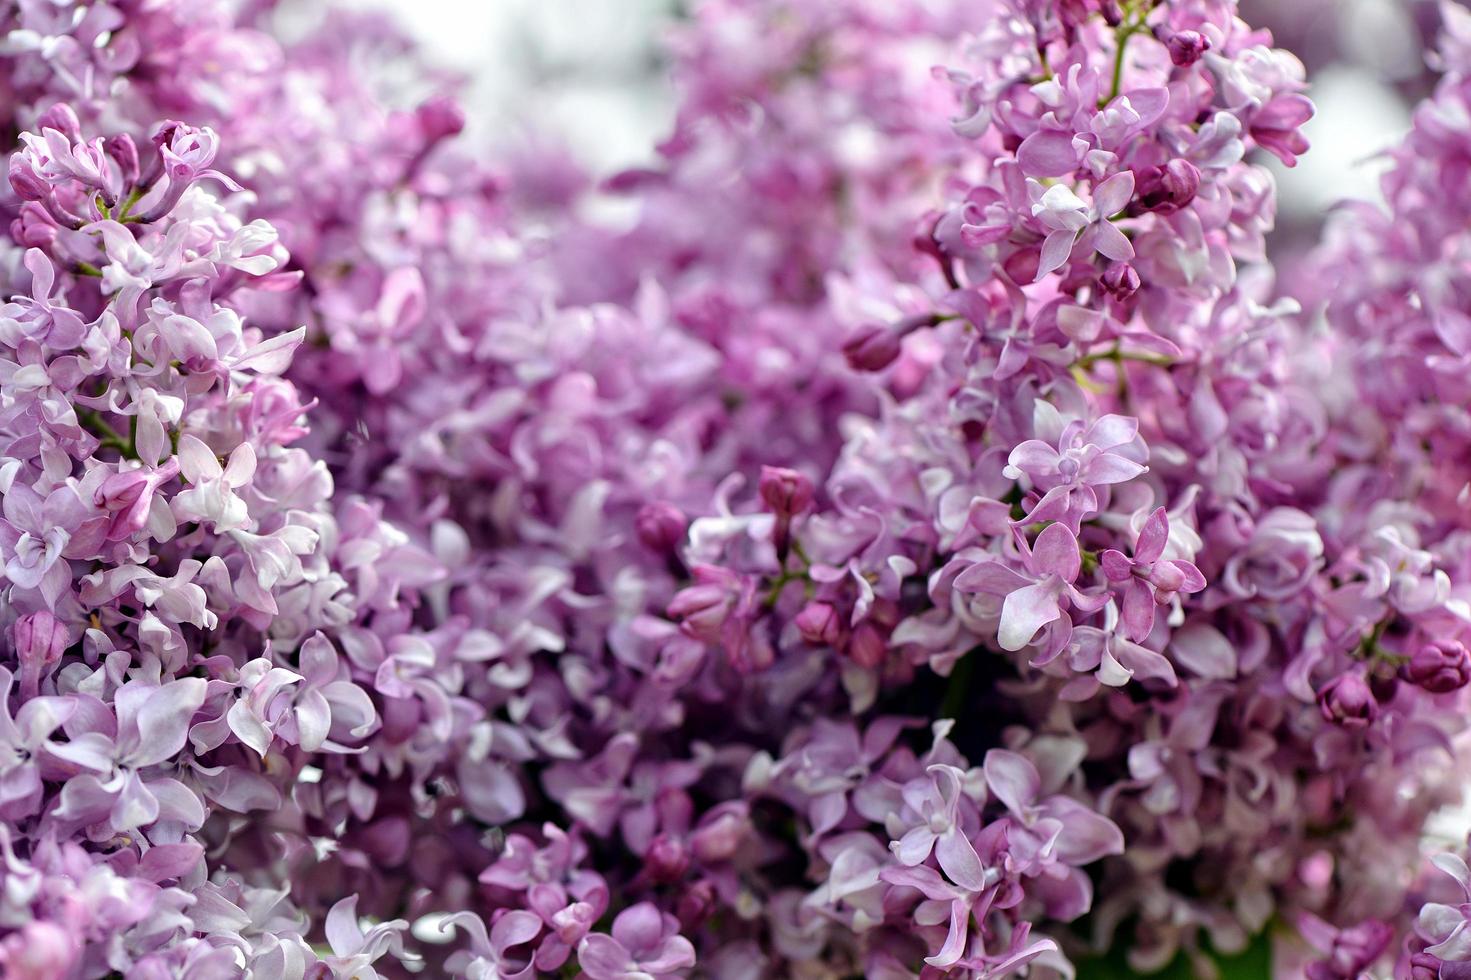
<point x="703" y="608"/>
<point x="439" y="118"/>
<point x="62" y="118"/>
<point x="696" y="904"/>
<point x="873" y="348"/>
<point x="1120" y="280"/>
<point x="1439" y="666"/>
<point x="820" y="624"/>
<point x="661" y="526"/>
<point x="667" y="859"/>
<point x="39" y="951"/>
<point x="27" y="184"/>
<point x="785" y="492"/>
<point x="1169" y="188"/>
<point x="1347" y="700"/>
<point x="721" y="833"/>
<point x="124" y="153"/>
<point x="40" y="639"/>
<point x="34" y="228"/>
<point x="1187" y="47"/>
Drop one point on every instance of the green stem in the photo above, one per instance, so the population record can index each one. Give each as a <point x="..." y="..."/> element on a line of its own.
<point x="1118" y="356"/>
<point x="105" y="433"/>
<point x="1124" y="32"/>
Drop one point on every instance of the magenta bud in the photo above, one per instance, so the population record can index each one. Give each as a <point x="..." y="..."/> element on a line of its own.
<point x="661" y="526"/>
<point x="34" y="228"/>
<point x="40" y="639"/>
<point x="873" y="348"/>
<point x="1169" y="188"/>
<point x="439" y="118"/>
<point x="39" y="951"/>
<point x="696" y="904"/>
<point x="124" y="152"/>
<point x="667" y="859"/>
<point x="1347" y="700"/>
<point x="1439" y="666"/>
<point x="820" y="624"/>
<point x="785" y="492"/>
<point x="721" y="833"/>
<point x="868" y="647"/>
<point x="1187" y="47"/>
<point x="703" y="608"/>
<point x="62" y="118"/>
<point x="1120" y="280"/>
<point x="27" y="183"/>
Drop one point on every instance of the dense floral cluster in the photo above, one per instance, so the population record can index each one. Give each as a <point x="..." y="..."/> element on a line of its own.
<point x="924" y="542"/>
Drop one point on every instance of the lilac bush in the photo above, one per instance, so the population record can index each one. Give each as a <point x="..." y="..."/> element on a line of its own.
<point x="925" y="541"/>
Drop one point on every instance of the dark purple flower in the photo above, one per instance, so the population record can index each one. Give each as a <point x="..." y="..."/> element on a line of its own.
<point x="1347" y="700"/>
<point x="1439" y="666"/>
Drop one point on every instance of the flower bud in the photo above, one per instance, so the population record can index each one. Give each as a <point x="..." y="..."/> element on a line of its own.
<point x="124" y="152"/>
<point x="1346" y="700"/>
<point x="573" y="922"/>
<point x="1169" y="188"/>
<point x="1424" y="966"/>
<point x="1187" y="47"/>
<point x="439" y="118"/>
<point x="34" y="228"/>
<point x="1120" y="280"/>
<point x="873" y="348"/>
<point x="28" y="185"/>
<point x="820" y="624"/>
<point x="703" y="608"/>
<point x="1439" y="666"/>
<point x="786" y="492"/>
<point x="40" y="639"/>
<point x="667" y="859"/>
<point x="39" y="951"/>
<point x="62" y="118"/>
<point x="721" y="833"/>
<point x="696" y="904"/>
<point x="661" y="526"/>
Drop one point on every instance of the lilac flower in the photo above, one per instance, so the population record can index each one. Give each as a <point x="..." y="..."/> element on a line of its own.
<point x="1070" y="472"/>
<point x="1147" y="579"/>
<point x="1041" y="596"/>
<point x="1072" y="223"/>
<point x="643" y="943"/>
<point x="1051" y="829"/>
<point x="936" y="801"/>
<point x="1446" y="926"/>
<point x="210" y="498"/>
<point x="42" y="316"/>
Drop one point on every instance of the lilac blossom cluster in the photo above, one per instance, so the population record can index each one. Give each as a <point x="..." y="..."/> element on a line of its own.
<point x="923" y="543"/>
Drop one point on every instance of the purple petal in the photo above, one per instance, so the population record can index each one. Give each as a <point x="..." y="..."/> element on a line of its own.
<point x="1026" y="611"/>
<point x="1013" y="780"/>
<point x="1153" y="537"/>
<point x="1056" y="553"/>
<point x="1056" y="250"/>
<point x="1048" y="153"/>
<point x="1113" y="195"/>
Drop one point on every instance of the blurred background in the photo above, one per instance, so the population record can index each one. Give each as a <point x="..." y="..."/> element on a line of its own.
<point x="591" y="71"/>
